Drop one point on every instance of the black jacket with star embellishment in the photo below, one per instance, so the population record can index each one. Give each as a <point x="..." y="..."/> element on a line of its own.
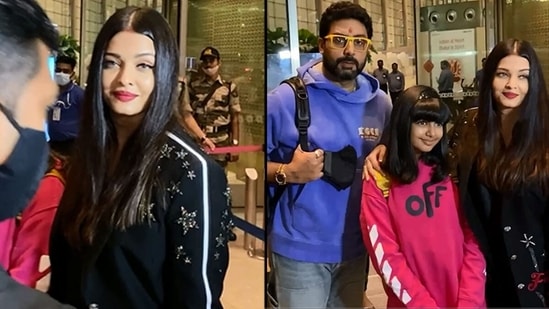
<point x="178" y="259"/>
<point x="511" y="227"/>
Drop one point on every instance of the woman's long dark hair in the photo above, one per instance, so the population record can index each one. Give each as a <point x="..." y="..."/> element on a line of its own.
<point x="92" y="199"/>
<point x="524" y="160"/>
<point x="414" y="104"/>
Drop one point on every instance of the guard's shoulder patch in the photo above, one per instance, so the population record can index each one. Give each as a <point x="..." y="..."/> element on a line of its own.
<point x="233" y="90"/>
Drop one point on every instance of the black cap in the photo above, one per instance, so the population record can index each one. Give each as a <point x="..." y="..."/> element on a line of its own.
<point x="209" y="52"/>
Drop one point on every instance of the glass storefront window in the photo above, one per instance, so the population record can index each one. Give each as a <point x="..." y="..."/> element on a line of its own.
<point x="396" y="34"/>
<point x="307" y="15"/>
<point x="393" y="35"/>
<point x="60" y="12"/>
<point x="279" y="61"/>
<point x="82" y="19"/>
<point x="527" y="20"/>
<point x="66" y="15"/>
<point x="237" y="30"/>
<point x="375" y="10"/>
<point x="456" y="33"/>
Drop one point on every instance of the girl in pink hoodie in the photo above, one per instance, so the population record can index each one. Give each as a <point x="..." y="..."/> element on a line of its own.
<point x="25" y="253"/>
<point x="412" y="226"/>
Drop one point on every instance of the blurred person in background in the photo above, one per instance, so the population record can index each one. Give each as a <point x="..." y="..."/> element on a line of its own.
<point x="64" y="115"/>
<point x="29" y="261"/>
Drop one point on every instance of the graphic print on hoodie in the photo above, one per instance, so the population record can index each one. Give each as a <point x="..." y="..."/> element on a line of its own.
<point x="421" y="245"/>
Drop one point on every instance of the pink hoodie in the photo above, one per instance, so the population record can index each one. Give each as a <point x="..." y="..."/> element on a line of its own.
<point x="420" y="245"/>
<point x="26" y="246"/>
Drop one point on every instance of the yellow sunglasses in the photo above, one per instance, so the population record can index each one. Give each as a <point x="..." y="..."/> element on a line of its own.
<point x="341" y="41"/>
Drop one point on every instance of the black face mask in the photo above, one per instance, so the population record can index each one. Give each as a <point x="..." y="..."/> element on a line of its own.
<point x="21" y="173"/>
<point x="340" y="167"/>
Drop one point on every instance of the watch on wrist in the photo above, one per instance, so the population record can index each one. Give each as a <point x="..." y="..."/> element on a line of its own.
<point x="235" y="142"/>
<point x="280" y="176"/>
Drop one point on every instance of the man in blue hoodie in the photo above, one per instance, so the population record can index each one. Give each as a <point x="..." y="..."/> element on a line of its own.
<point x="319" y="258"/>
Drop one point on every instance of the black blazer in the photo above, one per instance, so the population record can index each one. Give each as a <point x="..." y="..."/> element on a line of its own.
<point x="17" y="296"/>
<point x="179" y="260"/>
<point x="524" y="219"/>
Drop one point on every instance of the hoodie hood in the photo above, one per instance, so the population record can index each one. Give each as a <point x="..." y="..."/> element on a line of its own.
<point x="366" y="90"/>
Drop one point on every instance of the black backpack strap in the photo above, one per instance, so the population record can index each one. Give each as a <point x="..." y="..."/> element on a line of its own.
<point x="302" y="111"/>
<point x="302" y="122"/>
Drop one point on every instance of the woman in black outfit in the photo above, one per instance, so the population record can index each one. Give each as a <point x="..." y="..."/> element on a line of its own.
<point x="502" y="153"/>
<point x="145" y="215"/>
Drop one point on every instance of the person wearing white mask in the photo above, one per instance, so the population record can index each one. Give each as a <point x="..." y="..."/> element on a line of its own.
<point x="211" y="108"/>
<point x="64" y="115"/>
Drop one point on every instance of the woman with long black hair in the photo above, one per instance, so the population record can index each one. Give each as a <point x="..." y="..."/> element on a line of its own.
<point x="145" y="215"/>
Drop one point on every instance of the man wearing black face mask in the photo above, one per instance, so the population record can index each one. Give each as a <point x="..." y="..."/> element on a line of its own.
<point x="29" y="41"/>
<point x="318" y="256"/>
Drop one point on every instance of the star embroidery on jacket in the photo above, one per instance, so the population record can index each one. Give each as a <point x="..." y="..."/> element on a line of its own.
<point x="187" y="220"/>
<point x="225" y="214"/>
<point x="528" y="241"/>
<point x="220" y="241"/>
<point x="147" y="214"/>
<point x="191" y="175"/>
<point x="185" y="164"/>
<point x="173" y="189"/>
<point x="181" y="154"/>
<point x="216" y="255"/>
<point x="227" y="194"/>
<point x="225" y="225"/>
<point x="225" y="221"/>
<point x="179" y="252"/>
<point x="166" y="151"/>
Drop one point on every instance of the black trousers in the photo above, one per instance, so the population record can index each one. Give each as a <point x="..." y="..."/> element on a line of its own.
<point x="383" y="87"/>
<point x="394" y="95"/>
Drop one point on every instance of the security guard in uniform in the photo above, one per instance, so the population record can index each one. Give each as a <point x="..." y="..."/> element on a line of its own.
<point x="214" y="105"/>
<point x="211" y="108"/>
